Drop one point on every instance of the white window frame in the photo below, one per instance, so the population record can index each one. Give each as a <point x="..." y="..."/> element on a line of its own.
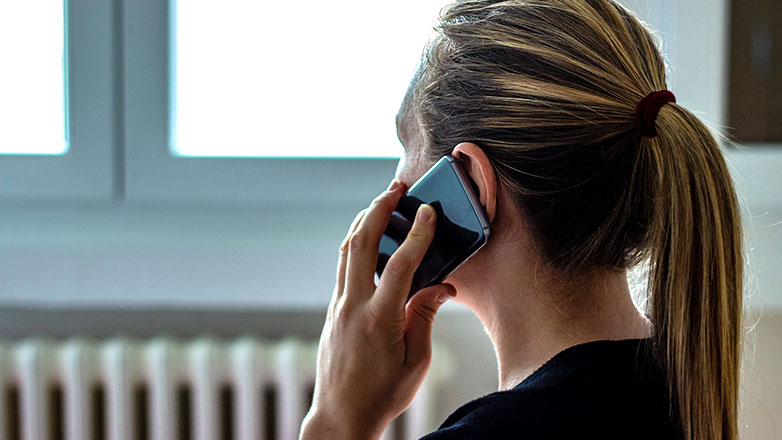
<point x="155" y="175"/>
<point x="118" y="107"/>
<point x="88" y="171"/>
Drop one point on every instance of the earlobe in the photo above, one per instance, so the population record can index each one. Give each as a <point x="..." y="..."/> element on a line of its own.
<point x="481" y="171"/>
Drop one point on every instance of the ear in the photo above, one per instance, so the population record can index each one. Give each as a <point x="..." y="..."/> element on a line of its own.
<point x="478" y="167"/>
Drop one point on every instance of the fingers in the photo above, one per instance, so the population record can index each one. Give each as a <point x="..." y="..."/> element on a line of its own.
<point x="398" y="274"/>
<point x="419" y="316"/>
<point x="364" y="242"/>
<point x="397" y="228"/>
<point x="343" y="256"/>
<point x="382" y="260"/>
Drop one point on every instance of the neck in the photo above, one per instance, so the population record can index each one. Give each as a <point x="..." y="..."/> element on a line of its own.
<point x="531" y="317"/>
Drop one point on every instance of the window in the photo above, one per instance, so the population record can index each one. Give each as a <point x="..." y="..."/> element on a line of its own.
<point x="32" y="108"/>
<point x="263" y="140"/>
<point x="305" y="79"/>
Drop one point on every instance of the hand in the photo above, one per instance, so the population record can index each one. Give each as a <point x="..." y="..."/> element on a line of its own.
<point x="374" y="351"/>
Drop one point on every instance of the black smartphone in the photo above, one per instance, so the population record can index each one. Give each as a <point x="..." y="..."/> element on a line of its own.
<point x="462" y="224"/>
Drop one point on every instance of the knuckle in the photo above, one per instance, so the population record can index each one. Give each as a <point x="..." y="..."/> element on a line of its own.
<point x="418" y="235"/>
<point x="343" y="248"/>
<point x="357" y="241"/>
<point x="425" y="312"/>
<point x="399" y="267"/>
<point x="343" y="311"/>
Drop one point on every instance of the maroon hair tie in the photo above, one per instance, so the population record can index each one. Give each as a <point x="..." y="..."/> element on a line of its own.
<point x="647" y="109"/>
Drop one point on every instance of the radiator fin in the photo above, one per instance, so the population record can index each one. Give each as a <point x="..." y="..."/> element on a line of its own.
<point x="169" y="389"/>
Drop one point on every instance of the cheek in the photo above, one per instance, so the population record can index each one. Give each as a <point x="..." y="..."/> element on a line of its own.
<point x="409" y="169"/>
<point x="404" y="174"/>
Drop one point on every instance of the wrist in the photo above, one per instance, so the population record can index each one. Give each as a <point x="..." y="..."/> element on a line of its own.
<point x="320" y="426"/>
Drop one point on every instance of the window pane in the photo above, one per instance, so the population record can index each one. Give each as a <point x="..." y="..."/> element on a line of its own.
<point x="294" y="79"/>
<point x="32" y="93"/>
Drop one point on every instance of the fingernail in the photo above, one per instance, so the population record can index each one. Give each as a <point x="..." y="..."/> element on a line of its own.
<point x="443" y="297"/>
<point x="424" y="213"/>
<point x="394" y="185"/>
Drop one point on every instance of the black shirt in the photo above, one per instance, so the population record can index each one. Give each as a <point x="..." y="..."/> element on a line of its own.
<point x="602" y="389"/>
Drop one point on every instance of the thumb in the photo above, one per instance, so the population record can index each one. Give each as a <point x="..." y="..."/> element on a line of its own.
<point x="419" y="316"/>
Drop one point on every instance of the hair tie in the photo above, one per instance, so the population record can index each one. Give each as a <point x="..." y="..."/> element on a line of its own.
<point x="647" y="109"/>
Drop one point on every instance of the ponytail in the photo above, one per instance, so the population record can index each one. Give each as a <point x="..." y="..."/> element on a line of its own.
<point x="696" y="275"/>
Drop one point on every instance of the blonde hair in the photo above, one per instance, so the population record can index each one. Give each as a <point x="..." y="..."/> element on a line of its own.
<point x="549" y="89"/>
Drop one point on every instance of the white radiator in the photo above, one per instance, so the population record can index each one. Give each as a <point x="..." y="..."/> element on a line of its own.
<point x="161" y="389"/>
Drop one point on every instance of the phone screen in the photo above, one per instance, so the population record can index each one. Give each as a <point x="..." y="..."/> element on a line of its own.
<point x="462" y="226"/>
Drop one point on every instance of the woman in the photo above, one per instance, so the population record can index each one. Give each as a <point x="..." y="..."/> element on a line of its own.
<point x="586" y="167"/>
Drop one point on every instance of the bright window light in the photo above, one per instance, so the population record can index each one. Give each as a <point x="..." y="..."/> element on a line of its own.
<point x="293" y="79"/>
<point x="32" y="78"/>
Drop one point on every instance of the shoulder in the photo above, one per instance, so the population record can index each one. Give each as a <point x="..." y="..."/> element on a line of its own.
<point x="606" y="389"/>
<point x="505" y="414"/>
